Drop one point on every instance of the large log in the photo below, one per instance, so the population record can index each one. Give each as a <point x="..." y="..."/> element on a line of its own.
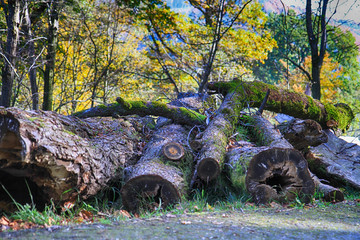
<point x="162" y="175"/>
<point x="270" y="174"/>
<point x="338" y="116"/>
<point x="61" y="157"/>
<point x="274" y="171"/>
<point x="337" y="161"/>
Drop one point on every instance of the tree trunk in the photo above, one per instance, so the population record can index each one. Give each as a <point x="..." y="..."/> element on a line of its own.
<point x="62" y="157"/>
<point x="338" y="116"/>
<point x="157" y="180"/>
<point x="215" y="138"/>
<point x="9" y="71"/>
<point x="274" y="172"/>
<point x="303" y="133"/>
<point x="51" y="55"/>
<point x="32" y="59"/>
<point x="270" y="174"/>
<point x="180" y="115"/>
<point x="337" y="161"/>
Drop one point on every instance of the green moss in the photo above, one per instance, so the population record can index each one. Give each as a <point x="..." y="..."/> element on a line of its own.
<point x="313" y="110"/>
<point x="135" y="104"/>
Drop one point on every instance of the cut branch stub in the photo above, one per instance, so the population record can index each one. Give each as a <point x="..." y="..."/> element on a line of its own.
<point x="280" y="175"/>
<point x="173" y="151"/>
<point x="150" y="185"/>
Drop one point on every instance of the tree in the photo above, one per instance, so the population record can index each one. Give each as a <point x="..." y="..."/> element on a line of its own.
<point x="316" y="31"/>
<point x="214" y="41"/>
<point x="293" y="54"/>
<point x="12" y="12"/>
<point x="52" y="38"/>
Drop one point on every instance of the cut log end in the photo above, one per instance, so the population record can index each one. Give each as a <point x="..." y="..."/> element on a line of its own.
<point x="173" y="151"/>
<point x="148" y="192"/>
<point x="208" y="169"/>
<point x="280" y="175"/>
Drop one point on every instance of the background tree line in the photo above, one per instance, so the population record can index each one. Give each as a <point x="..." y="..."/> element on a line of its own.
<point x="67" y="55"/>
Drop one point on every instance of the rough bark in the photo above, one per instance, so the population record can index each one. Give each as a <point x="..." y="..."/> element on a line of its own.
<point x="156" y="181"/>
<point x="270" y="174"/>
<point x="302" y="134"/>
<point x="266" y="133"/>
<point x="62" y="156"/>
<point x="215" y="138"/>
<point x="178" y="114"/>
<point x="275" y="171"/>
<point x="338" y="116"/>
<point x="337" y="161"/>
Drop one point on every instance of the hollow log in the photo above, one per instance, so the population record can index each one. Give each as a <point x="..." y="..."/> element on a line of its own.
<point x="270" y="174"/>
<point x="274" y="171"/>
<point x="302" y="134"/>
<point x="61" y="157"/>
<point x="338" y="116"/>
<point x="157" y="180"/>
<point x="179" y="115"/>
<point x="337" y="161"/>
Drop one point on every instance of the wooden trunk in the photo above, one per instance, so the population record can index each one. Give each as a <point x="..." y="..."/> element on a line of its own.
<point x="303" y="133"/>
<point x="162" y="175"/>
<point x="214" y="139"/>
<point x="270" y="174"/>
<point x="61" y="157"/>
<point x="337" y="161"/>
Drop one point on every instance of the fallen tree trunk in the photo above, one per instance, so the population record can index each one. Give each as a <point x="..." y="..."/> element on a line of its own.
<point x="298" y="105"/>
<point x="61" y="157"/>
<point x="274" y="172"/>
<point x="180" y="115"/>
<point x="303" y="133"/>
<point x="162" y="175"/>
<point x="215" y="138"/>
<point x="337" y="161"/>
<point x="271" y="174"/>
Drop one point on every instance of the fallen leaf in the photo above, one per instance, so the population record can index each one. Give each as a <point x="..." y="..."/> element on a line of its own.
<point x="185" y="222"/>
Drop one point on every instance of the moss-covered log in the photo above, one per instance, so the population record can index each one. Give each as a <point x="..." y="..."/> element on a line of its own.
<point x="270" y="174"/>
<point x="180" y="115"/>
<point x="157" y="180"/>
<point x="62" y="157"/>
<point x="338" y="116"/>
<point x="303" y="133"/>
<point x="337" y="161"/>
<point x="215" y="138"/>
<point x="266" y="134"/>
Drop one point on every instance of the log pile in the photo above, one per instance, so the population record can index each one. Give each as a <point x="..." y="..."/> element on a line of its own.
<point x="67" y="157"/>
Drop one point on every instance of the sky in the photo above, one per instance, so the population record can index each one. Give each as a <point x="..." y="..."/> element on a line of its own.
<point x="346" y="9"/>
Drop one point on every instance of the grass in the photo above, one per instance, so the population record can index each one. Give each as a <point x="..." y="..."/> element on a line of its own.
<point x="106" y="208"/>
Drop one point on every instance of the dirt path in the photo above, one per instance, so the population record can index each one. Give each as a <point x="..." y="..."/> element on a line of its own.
<point x="339" y="221"/>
